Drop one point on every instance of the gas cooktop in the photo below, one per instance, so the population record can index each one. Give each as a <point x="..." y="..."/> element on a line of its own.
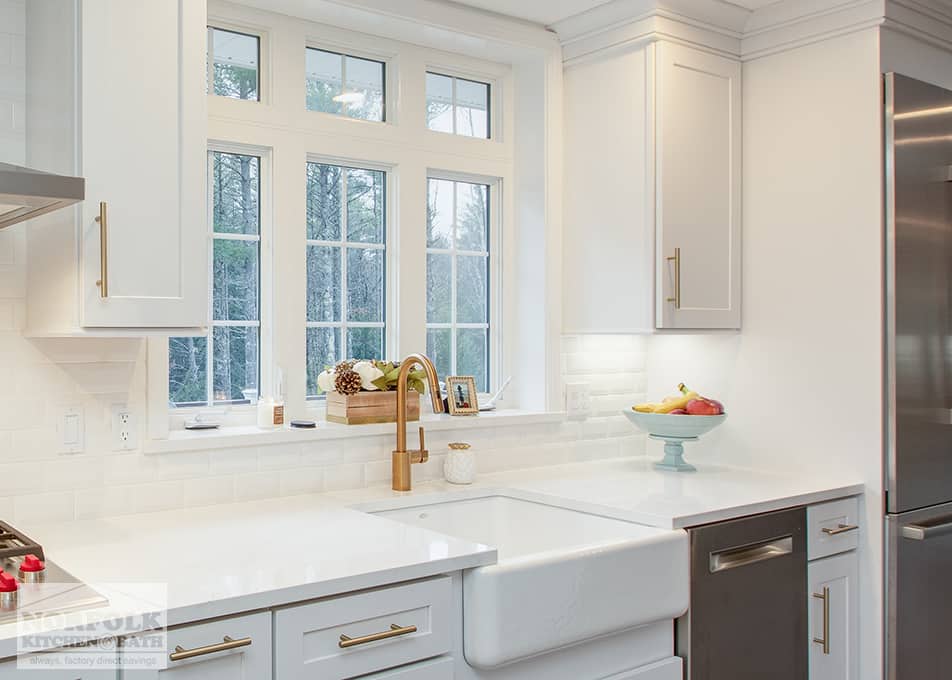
<point x="33" y="587"/>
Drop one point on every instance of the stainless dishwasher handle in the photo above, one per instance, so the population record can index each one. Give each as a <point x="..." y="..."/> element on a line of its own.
<point x="918" y="532"/>
<point x="750" y="554"/>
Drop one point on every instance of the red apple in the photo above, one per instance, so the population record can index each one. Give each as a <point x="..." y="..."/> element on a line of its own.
<point x="704" y="407"/>
<point x="678" y="412"/>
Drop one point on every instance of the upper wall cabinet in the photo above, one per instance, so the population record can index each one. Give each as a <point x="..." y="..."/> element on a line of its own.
<point x="133" y="256"/>
<point x="653" y="177"/>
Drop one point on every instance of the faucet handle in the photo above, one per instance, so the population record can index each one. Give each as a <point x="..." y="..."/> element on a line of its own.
<point x="424" y="454"/>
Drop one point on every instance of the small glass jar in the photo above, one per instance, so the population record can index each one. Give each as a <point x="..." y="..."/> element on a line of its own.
<point x="460" y="465"/>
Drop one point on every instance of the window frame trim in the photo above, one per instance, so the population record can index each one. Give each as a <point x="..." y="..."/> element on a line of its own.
<point x="494" y="125"/>
<point x="264" y="57"/>
<point x="495" y="347"/>
<point x="265" y="322"/>
<point x="388" y="59"/>
<point x="391" y="274"/>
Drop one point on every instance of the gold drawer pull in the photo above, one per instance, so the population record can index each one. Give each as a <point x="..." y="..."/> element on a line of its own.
<point x="180" y="653"/>
<point x="677" y="278"/>
<point x="839" y="529"/>
<point x="103" y="281"/>
<point x="825" y="640"/>
<point x="395" y="631"/>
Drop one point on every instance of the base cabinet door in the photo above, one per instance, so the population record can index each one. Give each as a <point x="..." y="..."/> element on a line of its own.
<point x="834" y="618"/>
<point x="238" y="648"/>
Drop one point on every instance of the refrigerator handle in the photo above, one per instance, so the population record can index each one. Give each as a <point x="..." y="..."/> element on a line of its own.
<point x="918" y="532"/>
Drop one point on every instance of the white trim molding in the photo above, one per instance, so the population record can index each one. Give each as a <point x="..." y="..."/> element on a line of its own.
<point x="733" y="32"/>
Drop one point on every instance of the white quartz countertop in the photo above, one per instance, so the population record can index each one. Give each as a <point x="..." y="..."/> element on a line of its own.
<point x="632" y="489"/>
<point x="226" y="559"/>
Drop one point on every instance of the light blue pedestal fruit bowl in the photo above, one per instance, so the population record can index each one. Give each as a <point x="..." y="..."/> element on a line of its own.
<point x="674" y="431"/>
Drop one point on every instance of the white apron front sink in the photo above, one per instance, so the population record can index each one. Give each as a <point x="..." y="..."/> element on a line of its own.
<point x="562" y="576"/>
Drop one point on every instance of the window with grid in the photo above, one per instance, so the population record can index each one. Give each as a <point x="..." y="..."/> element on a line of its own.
<point x="232" y="61"/>
<point x="345" y="85"/>
<point x="223" y="367"/>
<point x="346" y="266"/>
<point x="457" y="105"/>
<point x="457" y="278"/>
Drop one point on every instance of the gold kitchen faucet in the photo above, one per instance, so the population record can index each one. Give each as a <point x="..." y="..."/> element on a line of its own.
<point x="402" y="459"/>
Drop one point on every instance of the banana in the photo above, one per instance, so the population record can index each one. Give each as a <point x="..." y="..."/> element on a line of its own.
<point x="669" y="403"/>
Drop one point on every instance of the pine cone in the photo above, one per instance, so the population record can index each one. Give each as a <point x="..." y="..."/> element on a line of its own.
<point x="347" y="382"/>
<point x="343" y="366"/>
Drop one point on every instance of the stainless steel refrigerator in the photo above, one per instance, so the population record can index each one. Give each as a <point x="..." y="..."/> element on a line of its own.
<point x="918" y="452"/>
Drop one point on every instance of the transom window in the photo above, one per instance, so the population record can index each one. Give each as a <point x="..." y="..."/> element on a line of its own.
<point x="457" y="105"/>
<point x="346" y="266"/>
<point x="233" y="61"/>
<point x="345" y="85"/>
<point x="229" y="372"/>
<point x="457" y="278"/>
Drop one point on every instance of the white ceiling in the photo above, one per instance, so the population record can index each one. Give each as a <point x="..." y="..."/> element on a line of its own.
<point x="548" y="12"/>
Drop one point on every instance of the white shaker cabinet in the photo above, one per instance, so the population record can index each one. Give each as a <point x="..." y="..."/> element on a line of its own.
<point x="833" y="617"/>
<point x="652" y="220"/>
<point x="133" y="255"/>
<point x="237" y="648"/>
<point x="698" y="189"/>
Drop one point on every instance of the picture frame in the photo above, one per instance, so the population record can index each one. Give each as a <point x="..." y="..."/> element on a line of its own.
<point x="461" y="395"/>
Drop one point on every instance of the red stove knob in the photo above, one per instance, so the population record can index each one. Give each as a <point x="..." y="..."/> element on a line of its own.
<point x="8" y="584"/>
<point x="32" y="564"/>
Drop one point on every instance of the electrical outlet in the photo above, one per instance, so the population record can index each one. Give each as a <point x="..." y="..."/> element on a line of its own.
<point x="578" y="400"/>
<point x="124" y="431"/>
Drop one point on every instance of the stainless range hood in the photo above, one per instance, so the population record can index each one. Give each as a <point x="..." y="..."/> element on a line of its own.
<point x="26" y="193"/>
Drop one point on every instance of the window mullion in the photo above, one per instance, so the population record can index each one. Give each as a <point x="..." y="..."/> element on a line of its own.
<point x="453" y="262"/>
<point x="343" y="256"/>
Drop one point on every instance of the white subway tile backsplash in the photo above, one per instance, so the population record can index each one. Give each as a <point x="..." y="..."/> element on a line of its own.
<point x="341" y="477"/>
<point x="227" y="461"/>
<point x="109" y="501"/>
<point x="45" y="507"/>
<point x="252" y="486"/>
<point x="73" y="472"/>
<point x="157" y="496"/>
<point x="301" y="481"/>
<point x="208" y="491"/>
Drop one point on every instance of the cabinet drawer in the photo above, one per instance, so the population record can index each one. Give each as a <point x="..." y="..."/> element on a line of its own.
<point x="833" y="527"/>
<point x="378" y="627"/>
<point x="9" y="670"/>
<point x="668" y="669"/>
<point x="434" y="669"/>
<point x="246" y="657"/>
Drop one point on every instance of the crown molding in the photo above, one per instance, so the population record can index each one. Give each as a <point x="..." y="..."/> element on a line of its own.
<point x="737" y="33"/>
<point x="789" y="25"/>
<point x="929" y="22"/>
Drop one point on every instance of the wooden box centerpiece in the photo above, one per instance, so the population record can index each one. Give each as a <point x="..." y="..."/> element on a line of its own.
<point x="363" y="408"/>
<point x="364" y="392"/>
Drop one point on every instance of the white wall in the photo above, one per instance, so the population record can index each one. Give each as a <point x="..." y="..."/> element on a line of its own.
<point x="802" y="381"/>
<point x="12" y="80"/>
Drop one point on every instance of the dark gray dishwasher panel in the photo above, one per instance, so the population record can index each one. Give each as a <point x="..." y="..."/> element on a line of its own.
<point x="748" y="615"/>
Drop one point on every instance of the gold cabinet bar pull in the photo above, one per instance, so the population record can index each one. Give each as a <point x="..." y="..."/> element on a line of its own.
<point x="825" y="640"/>
<point x="103" y="281"/>
<point x="677" y="278"/>
<point x="395" y="631"/>
<point x="180" y="653"/>
<point x="839" y="529"/>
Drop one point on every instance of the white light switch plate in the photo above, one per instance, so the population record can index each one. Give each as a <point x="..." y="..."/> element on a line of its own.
<point x="578" y="400"/>
<point x="71" y="429"/>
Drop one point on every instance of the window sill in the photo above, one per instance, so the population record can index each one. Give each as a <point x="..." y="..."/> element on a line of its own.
<point x="250" y="435"/>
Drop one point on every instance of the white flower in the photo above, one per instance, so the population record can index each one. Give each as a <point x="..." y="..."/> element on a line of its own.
<point x="368" y="373"/>
<point x="325" y="381"/>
